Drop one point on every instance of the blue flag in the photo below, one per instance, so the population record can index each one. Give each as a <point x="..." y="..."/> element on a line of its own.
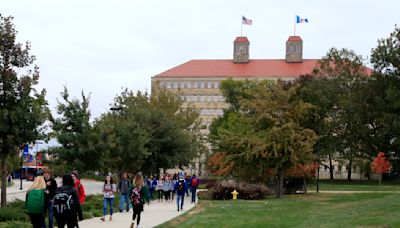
<point x="26" y="150"/>
<point x="301" y="20"/>
<point x="30" y="158"/>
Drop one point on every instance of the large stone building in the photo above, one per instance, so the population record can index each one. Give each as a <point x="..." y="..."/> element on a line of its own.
<point x="198" y="81"/>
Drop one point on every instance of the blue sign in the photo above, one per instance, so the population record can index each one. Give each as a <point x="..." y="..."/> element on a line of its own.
<point x="30" y="158"/>
<point x="26" y="150"/>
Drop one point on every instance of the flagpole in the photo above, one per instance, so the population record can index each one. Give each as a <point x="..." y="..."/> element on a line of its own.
<point x="294" y="32"/>
<point x="241" y="27"/>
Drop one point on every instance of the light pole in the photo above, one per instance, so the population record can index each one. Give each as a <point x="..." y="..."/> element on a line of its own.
<point x="20" y="173"/>
<point x="115" y="108"/>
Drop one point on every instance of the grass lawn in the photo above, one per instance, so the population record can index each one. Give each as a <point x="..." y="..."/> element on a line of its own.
<point x="312" y="210"/>
<point x="356" y="185"/>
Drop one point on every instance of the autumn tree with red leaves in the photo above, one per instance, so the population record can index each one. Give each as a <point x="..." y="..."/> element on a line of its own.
<point x="380" y="165"/>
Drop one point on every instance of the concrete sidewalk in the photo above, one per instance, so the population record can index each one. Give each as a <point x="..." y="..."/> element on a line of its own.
<point x="153" y="215"/>
<point x="14" y="192"/>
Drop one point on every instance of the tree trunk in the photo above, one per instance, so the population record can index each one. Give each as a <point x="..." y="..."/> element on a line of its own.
<point x="279" y="193"/>
<point x="3" y="182"/>
<point x="330" y="168"/>
<point x="305" y="185"/>
<point x="349" y="171"/>
<point x="380" y="179"/>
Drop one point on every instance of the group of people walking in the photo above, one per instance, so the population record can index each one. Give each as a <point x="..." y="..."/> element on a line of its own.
<point x="167" y="186"/>
<point x="64" y="203"/>
<point x="135" y="194"/>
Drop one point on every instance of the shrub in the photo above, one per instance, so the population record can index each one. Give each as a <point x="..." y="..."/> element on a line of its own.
<point x="87" y="214"/>
<point x="204" y="195"/>
<point x="15" y="224"/>
<point x="14" y="211"/>
<point x="248" y="191"/>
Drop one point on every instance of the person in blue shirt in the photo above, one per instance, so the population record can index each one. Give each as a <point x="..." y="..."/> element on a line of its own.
<point x="181" y="188"/>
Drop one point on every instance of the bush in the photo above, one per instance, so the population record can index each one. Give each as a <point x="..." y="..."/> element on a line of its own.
<point x="204" y="195"/>
<point x="208" y="183"/>
<point x="248" y="191"/>
<point x="14" y="211"/>
<point x="93" y="206"/>
<point x="9" y="213"/>
<point x="15" y="224"/>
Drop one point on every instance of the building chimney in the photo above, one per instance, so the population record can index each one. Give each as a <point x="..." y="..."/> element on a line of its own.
<point x="294" y="49"/>
<point x="241" y="50"/>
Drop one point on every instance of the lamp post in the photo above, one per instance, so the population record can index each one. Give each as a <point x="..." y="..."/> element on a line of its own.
<point x="115" y="108"/>
<point x="318" y="166"/>
<point x="20" y="173"/>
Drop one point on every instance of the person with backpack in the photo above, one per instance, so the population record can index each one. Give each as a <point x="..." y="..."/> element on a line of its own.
<point x="194" y="183"/>
<point x="79" y="187"/>
<point x="51" y="187"/>
<point x="180" y="188"/>
<point x="35" y="202"/>
<point x="109" y="188"/>
<point x="138" y="196"/>
<point x="66" y="206"/>
<point x="124" y="185"/>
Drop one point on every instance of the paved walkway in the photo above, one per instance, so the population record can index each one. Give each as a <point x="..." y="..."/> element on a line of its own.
<point x="153" y="215"/>
<point x="14" y="192"/>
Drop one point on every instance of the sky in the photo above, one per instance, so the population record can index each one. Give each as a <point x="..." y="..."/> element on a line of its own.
<point x="100" y="47"/>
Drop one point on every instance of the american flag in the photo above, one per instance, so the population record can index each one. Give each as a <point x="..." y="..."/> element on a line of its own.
<point x="246" y="21"/>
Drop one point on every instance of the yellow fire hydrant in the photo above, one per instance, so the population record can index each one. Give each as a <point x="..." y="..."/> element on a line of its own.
<point x="234" y="194"/>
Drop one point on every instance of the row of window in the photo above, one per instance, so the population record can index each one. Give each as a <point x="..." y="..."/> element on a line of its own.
<point x="211" y="112"/>
<point x="190" y="85"/>
<point x="199" y="98"/>
<point x="341" y="168"/>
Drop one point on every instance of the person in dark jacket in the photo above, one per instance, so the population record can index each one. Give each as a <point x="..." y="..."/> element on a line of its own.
<point x="75" y="212"/>
<point x="181" y="188"/>
<point x="51" y="187"/>
<point x="123" y="187"/>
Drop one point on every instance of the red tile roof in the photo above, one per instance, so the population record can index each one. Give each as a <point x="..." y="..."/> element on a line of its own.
<point x="241" y="39"/>
<point x="256" y="68"/>
<point x="294" y="38"/>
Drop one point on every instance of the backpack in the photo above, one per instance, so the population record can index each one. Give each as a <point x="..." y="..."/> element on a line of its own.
<point x="195" y="182"/>
<point x="35" y="202"/>
<point x="181" y="186"/>
<point x="63" y="203"/>
<point x="135" y="196"/>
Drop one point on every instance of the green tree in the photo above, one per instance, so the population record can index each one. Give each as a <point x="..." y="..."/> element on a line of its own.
<point x="266" y="132"/>
<point x="23" y="109"/>
<point x="73" y="131"/>
<point x="384" y="96"/>
<point x="146" y="133"/>
<point x="340" y="102"/>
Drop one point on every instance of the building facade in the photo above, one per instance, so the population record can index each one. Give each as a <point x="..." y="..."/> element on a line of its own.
<point x="198" y="81"/>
